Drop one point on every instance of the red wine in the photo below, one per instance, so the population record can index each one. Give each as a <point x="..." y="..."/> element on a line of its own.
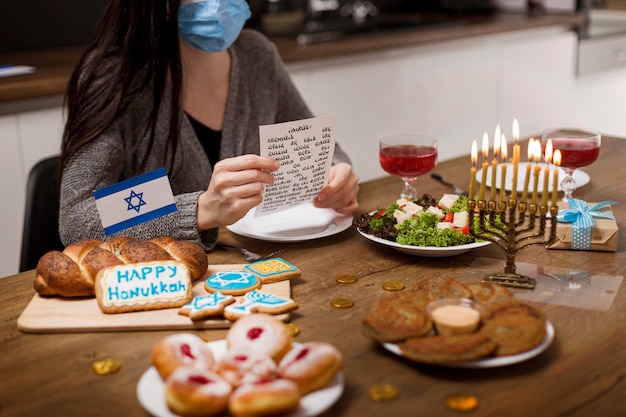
<point x="576" y="153"/>
<point x="408" y="160"/>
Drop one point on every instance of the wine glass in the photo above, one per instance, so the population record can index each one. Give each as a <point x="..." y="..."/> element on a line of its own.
<point x="408" y="156"/>
<point x="579" y="147"/>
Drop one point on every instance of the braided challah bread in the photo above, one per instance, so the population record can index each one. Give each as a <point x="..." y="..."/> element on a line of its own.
<point x="72" y="273"/>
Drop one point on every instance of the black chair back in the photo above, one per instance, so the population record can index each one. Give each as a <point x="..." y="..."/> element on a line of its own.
<point x="41" y="215"/>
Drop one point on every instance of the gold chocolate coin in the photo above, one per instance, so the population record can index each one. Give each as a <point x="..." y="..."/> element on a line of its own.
<point x="383" y="392"/>
<point x="106" y="366"/>
<point x="341" y="302"/>
<point x="346" y="279"/>
<point x="461" y="402"/>
<point x="393" y="286"/>
<point x="293" y="329"/>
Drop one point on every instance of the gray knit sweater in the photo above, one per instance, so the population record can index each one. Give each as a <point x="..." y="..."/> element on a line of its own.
<point x="261" y="92"/>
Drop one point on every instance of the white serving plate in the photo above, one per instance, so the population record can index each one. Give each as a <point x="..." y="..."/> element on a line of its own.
<point x="496" y="361"/>
<point x="151" y="392"/>
<point x="296" y="224"/>
<point x="426" y="251"/>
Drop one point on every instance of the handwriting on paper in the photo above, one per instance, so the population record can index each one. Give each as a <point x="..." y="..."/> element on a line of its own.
<point x="305" y="151"/>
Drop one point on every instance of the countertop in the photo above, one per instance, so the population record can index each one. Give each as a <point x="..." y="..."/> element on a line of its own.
<point x="54" y="66"/>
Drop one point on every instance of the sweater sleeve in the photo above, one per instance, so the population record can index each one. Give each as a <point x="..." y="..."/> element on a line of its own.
<point x="99" y="164"/>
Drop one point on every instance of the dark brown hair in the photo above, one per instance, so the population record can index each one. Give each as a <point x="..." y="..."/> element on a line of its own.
<point x="141" y="38"/>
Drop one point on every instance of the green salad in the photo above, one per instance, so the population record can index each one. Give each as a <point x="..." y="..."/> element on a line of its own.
<point x="421" y="222"/>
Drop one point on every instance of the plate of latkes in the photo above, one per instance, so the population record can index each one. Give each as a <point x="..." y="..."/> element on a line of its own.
<point x="444" y="322"/>
<point x="151" y="392"/>
<point x="425" y="251"/>
<point x="492" y="362"/>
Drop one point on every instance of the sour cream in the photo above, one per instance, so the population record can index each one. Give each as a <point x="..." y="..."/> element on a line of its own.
<point x="455" y="319"/>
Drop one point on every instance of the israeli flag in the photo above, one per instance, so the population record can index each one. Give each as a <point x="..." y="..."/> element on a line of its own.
<point x="135" y="201"/>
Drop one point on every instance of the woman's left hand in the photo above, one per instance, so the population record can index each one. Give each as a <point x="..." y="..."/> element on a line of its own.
<point x="341" y="191"/>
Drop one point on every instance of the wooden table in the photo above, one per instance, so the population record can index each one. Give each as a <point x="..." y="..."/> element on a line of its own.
<point x="583" y="372"/>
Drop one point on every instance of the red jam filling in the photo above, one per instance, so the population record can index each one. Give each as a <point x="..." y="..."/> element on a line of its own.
<point x="199" y="379"/>
<point x="185" y="349"/>
<point x="241" y="358"/>
<point x="254" y="333"/>
<point x="302" y="354"/>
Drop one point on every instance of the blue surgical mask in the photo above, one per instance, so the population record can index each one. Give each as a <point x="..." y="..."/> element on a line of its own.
<point x="212" y="25"/>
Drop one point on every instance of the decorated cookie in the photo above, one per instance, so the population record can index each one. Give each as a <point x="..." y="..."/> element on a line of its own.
<point x="234" y="282"/>
<point x="273" y="270"/>
<point x="257" y="301"/>
<point x="143" y="286"/>
<point x="210" y="305"/>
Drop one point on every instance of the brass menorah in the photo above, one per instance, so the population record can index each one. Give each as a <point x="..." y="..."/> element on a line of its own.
<point x="512" y="227"/>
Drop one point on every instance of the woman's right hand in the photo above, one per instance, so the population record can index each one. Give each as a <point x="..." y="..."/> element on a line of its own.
<point x="236" y="186"/>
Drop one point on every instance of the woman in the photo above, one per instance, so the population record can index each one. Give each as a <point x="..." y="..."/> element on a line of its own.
<point x="180" y="85"/>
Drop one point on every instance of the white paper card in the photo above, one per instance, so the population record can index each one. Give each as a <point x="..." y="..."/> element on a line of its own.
<point x="305" y="151"/>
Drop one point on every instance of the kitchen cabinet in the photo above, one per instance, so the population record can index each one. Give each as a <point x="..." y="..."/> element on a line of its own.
<point x="454" y="91"/>
<point x="26" y="138"/>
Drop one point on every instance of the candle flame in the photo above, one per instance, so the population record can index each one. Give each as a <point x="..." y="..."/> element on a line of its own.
<point x="485" y="145"/>
<point x="496" y="142"/>
<point x="515" y="130"/>
<point x="474" y="154"/>
<point x="556" y="159"/>
<point x="531" y="149"/>
<point x="503" y="149"/>
<point x="537" y="150"/>
<point x="548" y="151"/>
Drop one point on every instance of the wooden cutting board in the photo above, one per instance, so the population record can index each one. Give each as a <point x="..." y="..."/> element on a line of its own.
<point x="66" y="315"/>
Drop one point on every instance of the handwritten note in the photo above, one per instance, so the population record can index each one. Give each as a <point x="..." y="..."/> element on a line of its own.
<point x="305" y="151"/>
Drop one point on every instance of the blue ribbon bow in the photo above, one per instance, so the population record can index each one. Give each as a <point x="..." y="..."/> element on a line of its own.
<point x="581" y="216"/>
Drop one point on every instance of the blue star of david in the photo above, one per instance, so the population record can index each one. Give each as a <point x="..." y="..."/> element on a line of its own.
<point x="129" y="200"/>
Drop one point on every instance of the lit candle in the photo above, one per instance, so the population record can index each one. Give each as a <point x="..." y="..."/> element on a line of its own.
<point x="485" y="166"/>
<point x="556" y="160"/>
<point x="474" y="158"/>
<point x="503" y="153"/>
<point x="516" y="153"/>
<point x="527" y="177"/>
<point x="537" y="170"/>
<point x="546" y="173"/>
<point x="494" y="163"/>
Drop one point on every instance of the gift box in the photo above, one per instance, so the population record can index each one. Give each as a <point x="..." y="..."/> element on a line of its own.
<point x="586" y="226"/>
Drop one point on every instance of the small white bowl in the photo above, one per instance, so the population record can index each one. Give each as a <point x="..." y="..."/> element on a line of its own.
<point x="454" y="316"/>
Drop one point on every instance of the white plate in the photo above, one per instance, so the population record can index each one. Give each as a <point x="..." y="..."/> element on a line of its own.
<point x="151" y="392"/>
<point x="296" y="224"/>
<point x="425" y="251"/>
<point x="495" y="361"/>
<point x="580" y="177"/>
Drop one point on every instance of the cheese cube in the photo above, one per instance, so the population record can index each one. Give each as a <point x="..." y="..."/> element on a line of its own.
<point x="436" y="211"/>
<point x="402" y="201"/>
<point x="448" y="200"/>
<point x="401" y="216"/>
<point x="412" y="208"/>
<point x="461" y="219"/>
<point x="444" y="225"/>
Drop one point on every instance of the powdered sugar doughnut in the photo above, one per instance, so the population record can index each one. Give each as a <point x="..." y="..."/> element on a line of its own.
<point x="240" y="365"/>
<point x="262" y="333"/>
<point x="311" y="365"/>
<point x="266" y="398"/>
<point x="181" y="349"/>
<point x="195" y="392"/>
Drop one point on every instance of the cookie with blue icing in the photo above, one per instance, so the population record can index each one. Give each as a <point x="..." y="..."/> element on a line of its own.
<point x="211" y="305"/>
<point x="257" y="301"/>
<point x="273" y="270"/>
<point x="234" y="282"/>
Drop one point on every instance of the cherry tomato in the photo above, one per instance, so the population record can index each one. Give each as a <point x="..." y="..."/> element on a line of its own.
<point x="379" y="213"/>
<point x="448" y="217"/>
<point x="465" y="230"/>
